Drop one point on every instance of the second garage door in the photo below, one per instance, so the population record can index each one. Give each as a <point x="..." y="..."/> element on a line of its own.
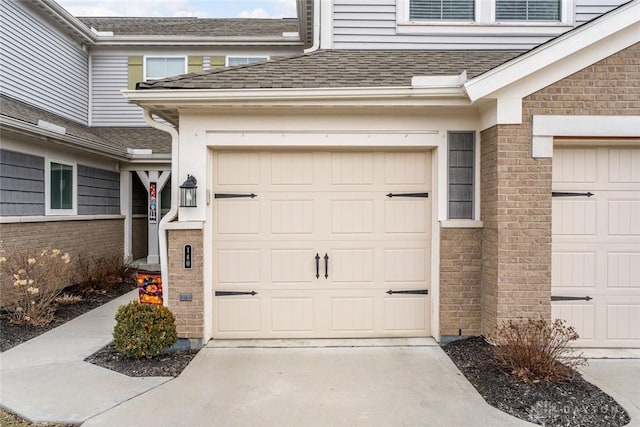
<point x="321" y="244"/>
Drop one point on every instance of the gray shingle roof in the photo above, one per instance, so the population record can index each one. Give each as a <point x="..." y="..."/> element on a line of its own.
<point x="340" y="68"/>
<point x="198" y="27"/>
<point x="119" y="137"/>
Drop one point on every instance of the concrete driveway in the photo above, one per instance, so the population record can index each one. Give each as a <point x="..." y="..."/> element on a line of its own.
<point x="312" y="386"/>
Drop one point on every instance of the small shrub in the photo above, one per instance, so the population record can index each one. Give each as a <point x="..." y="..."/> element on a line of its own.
<point x="68" y="299"/>
<point x="143" y="330"/>
<point x="96" y="274"/>
<point x="31" y="283"/>
<point x="537" y="350"/>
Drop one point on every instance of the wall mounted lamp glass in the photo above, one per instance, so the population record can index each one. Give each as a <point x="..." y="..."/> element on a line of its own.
<point x="188" y="191"/>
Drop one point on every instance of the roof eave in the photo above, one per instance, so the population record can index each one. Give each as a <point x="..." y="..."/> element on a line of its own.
<point x="198" y="41"/>
<point x="69" y="21"/>
<point x="82" y="144"/>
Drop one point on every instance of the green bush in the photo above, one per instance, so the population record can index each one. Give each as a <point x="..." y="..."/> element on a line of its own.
<point x="143" y="330"/>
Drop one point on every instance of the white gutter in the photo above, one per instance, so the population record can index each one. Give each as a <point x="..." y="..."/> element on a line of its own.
<point x="196" y="41"/>
<point x="68" y="20"/>
<point x="173" y="212"/>
<point x="316" y="27"/>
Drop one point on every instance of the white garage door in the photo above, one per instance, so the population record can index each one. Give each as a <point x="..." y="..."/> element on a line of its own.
<point x="321" y="250"/>
<point x="596" y="243"/>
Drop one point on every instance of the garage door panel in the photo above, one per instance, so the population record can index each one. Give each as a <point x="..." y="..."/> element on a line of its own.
<point x="237" y="168"/>
<point x="404" y="265"/>
<point x="574" y="269"/>
<point x="406" y="168"/>
<point x="624" y="217"/>
<point x="292" y="314"/>
<point x="352" y="216"/>
<point x="405" y="216"/>
<point x="352" y="168"/>
<point x="352" y="314"/>
<point x="292" y="216"/>
<point x="623" y="321"/>
<point x="352" y="265"/>
<point x="291" y="169"/>
<point x="238" y="266"/>
<point x="580" y="316"/>
<point x="574" y="165"/>
<point x="623" y="165"/>
<point x="292" y="265"/>
<point x="238" y="315"/>
<point x="623" y="270"/>
<point x="574" y="217"/>
<point x="238" y="217"/>
<point x="405" y="313"/>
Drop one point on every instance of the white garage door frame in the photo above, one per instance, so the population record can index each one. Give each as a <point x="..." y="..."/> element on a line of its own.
<point x="327" y="140"/>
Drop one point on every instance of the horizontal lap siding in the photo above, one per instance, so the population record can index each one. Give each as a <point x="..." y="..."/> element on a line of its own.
<point x="98" y="191"/>
<point x="110" y="75"/>
<point x="371" y="24"/>
<point x="46" y="68"/>
<point x="21" y="184"/>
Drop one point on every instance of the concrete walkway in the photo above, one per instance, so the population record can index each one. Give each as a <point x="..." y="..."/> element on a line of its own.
<point x="46" y="379"/>
<point x="294" y="382"/>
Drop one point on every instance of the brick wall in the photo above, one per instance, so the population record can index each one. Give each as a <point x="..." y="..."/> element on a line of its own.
<point x="86" y="238"/>
<point x="460" y="253"/>
<point x="189" y="314"/>
<point x="516" y="189"/>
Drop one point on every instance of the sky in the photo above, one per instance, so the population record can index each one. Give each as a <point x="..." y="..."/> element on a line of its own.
<point x="182" y="8"/>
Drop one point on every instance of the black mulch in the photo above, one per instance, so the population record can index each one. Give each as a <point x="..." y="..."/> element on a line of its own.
<point x="165" y="365"/>
<point x="12" y="335"/>
<point x="576" y="403"/>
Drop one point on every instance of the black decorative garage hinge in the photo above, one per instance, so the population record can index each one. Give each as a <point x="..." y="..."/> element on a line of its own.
<point x="231" y="293"/>
<point x="411" y="292"/>
<point x="564" y="298"/>
<point x="425" y="195"/>
<point x="232" y="196"/>
<point x="569" y="194"/>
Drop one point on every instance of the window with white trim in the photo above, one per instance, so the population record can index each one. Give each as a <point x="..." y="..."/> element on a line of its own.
<point x="461" y="175"/>
<point x="61" y="188"/>
<point x="243" y="60"/>
<point x="159" y="67"/>
<point x="442" y="10"/>
<point x="528" y="10"/>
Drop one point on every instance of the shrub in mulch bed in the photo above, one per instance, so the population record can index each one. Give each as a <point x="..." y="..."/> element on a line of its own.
<point x="567" y="403"/>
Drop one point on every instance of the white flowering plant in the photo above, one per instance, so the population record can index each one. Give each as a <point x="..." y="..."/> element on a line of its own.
<point x="31" y="282"/>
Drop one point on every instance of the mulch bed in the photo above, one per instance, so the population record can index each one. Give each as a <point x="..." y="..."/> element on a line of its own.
<point x="12" y="334"/>
<point x="575" y="403"/>
<point x="169" y="364"/>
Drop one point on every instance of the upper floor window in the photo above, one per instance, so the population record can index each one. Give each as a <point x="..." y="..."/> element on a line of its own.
<point x="243" y="60"/>
<point x="528" y="10"/>
<point x="156" y="67"/>
<point x="442" y="10"/>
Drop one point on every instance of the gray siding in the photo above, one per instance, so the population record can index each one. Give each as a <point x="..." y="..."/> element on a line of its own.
<point x="371" y="24"/>
<point x="586" y="10"/>
<point x="98" y="191"/>
<point x="110" y="75"/>
<point x="21" y="184"/>
<point x="40" y="64"/>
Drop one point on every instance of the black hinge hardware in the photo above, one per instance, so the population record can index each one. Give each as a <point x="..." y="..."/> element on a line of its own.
<point x="569" y="194"/>
<point x="232" y="196"/>
<point x="563" y="298"/>
<point x="230" y="293"/>
<point x="412" y="292"/>
<point x="425" y="195"/>
<point x="317" y="266"/>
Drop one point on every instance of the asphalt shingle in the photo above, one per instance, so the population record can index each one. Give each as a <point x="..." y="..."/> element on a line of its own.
<point x="340" y="68"/>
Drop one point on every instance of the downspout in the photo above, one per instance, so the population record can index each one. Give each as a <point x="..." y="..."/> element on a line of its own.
<point x="316" y="27"/>
<point x="173" y="212"/>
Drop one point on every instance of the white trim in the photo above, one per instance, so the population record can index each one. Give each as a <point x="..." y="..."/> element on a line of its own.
<point x="545" y="128"/>
<point x="41" y="218"/>
<point x="261" y="58"/>
<point x="144" y="65"/>
<point x="185" y="225"/>
<point x="326" y="23"/>
<point x="461" y="223"/>
<point x="48" y="210"/>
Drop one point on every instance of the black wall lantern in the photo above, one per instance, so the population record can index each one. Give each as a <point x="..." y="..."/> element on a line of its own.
<point x="188" y="191"/>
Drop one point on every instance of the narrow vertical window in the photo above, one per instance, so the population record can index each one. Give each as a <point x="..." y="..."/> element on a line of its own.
<point x="461" y="174"/>
<point x="61" y="186"/>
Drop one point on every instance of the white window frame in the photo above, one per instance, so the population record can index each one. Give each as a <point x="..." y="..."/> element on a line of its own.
<point x="485" y="12"/>
<point x="48" y="210"/>
<point x="144" y="65"/>
<point x="228" y="57"/>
